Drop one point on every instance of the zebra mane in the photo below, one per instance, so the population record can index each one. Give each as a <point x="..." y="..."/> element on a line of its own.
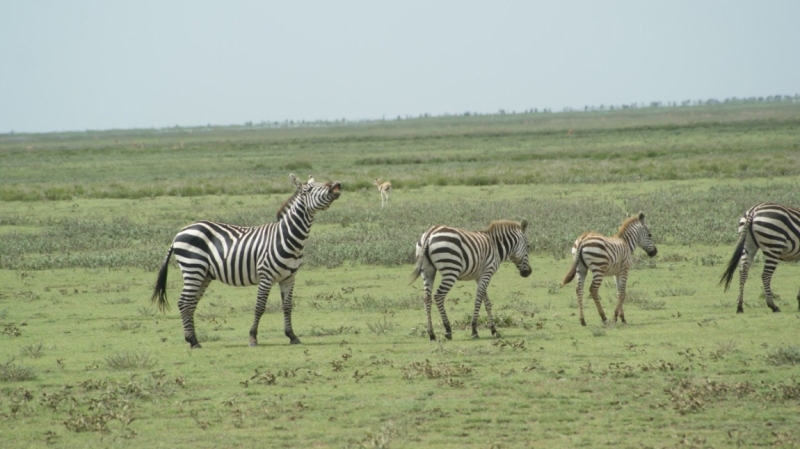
<point x="499" y="225"/>
<point x="627" y="224"/>
<point x="288" y="203"/>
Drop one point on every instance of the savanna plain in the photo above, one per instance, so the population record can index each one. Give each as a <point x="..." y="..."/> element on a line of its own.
<point x="86" y="219"/>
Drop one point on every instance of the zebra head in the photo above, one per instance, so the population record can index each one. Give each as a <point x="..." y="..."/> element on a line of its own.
<point x="518" y="252"/>
<point x="310" y="196"/>
<point x="643" y="236"/>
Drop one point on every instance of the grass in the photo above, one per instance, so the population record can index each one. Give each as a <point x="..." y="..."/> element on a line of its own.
<point x="87" y="219"/>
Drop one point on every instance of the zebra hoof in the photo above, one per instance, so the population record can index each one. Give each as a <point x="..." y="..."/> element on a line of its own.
<point x="583" y="322"/>
<point x="474" y="336"/>
<point x="776" y="309"/>
<point x="448" y="336"/>
<point x="739" y="309"/>
<point x="295" y="341"/>
<point x="253" y="343"/>
<point x="196" y="346"/>
<point x="432" y="337"/>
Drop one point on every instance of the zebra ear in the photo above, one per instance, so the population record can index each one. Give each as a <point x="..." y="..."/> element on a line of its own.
<point x="524" y="225"/>
<point x="296" y="182"/>
<point x="641" y="217"/>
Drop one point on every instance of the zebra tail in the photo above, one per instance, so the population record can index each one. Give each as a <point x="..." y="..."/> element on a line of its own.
<point x="572" y="270"/>
<point x="418" y="268"/>
<point x="160" y="291"/>
<point x="727" y="276"/>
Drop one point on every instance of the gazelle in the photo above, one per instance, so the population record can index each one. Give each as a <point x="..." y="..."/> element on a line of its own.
<point x="385" y="189"/>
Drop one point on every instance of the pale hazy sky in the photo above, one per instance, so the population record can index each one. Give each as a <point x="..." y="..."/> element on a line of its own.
<point x="77" y="65"/>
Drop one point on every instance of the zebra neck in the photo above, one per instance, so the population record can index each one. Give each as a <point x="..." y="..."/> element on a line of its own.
<point x="499" y="243"/>
<point x="629" y="236"/>
<point x="298" y="222"/>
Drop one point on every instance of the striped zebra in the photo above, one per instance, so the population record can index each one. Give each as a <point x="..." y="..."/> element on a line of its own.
<point x="466" y="255"/>
<point x="775" y="230"/>
<point x="608" y="256"/>
<point x="242" y="256"/>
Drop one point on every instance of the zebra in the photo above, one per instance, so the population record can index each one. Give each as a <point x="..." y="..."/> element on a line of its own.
<point x="467" y="255"/>
<point x="243" y="256"/>
<point x="775" y="230"/>
<point x="608" y="256"/>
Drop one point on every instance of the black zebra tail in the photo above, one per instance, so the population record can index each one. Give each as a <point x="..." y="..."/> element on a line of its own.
<point x="160" y="291"/>
<point x="727" y="276"/>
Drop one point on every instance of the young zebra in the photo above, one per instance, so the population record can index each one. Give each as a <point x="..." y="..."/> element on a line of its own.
<point x="385" y="189"/>
<point x="608" y="256"/>
<point x="242" y="256"/>
<point x="465" y="255"/>
<point x="775" y="230"/>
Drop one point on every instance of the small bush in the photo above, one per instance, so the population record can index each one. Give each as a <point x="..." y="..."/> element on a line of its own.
<point x="647" y="304"/>
<point x="129" y="361"/>
<point x="34" y="351"/>
<point x="675" y="291"/>
<point x="598" y="331"/>
<point x="784" y="355"/>
<point x="127" y="325"/>
<point x="320" y="331"/>
<point x="381" y="327"/>
<point x="11" y="372"/>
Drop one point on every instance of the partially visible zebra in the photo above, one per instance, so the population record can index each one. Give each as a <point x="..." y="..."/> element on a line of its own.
<point x="608" y="256"/>
<point x="775" y="230"/>
<point x="242" y="256"/>
<point x="466" y="255"/>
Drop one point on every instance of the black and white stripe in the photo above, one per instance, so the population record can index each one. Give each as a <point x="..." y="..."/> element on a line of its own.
<point x="775" y="230"/>
<point x="608" y="256"/>
<point x="242" y="256"/>
<point x="467" y="255"/>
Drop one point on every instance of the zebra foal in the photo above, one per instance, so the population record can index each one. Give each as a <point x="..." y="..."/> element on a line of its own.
<point x="775" y="230"/>
<point x="242" y="256"/>
<point x="608" y="256"/>
<point x="465" y="255"/>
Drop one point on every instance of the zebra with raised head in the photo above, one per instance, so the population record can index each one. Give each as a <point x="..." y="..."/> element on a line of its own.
<point x="775" y="230"/>
<point x="466" y="255"/>
<point x="608" y="256"/>
<point x="242" y="256"/>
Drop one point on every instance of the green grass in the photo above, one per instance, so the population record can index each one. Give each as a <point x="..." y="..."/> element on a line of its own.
<point x="85" y="361"/>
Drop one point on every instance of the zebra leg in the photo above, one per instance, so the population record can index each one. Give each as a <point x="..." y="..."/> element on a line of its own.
<point x="594" y="292"/>
<point x="264" y="286"/>
<point x="770" y="264"/>
<point x="621" y="280"/>
<point x="190" y="296"/>
<point x="488" y="304"/>
<point x="481" y="296"/>
<point x="579" y="294"/>
<point x="287" y="287"/>
<point x="798" y="300"/>
<point x="427" y="279"/>
<point x="745" y="262"/>
<point x="444" y="287"/>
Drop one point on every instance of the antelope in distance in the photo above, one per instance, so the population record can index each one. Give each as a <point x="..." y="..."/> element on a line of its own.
<point x="385" y="189"/>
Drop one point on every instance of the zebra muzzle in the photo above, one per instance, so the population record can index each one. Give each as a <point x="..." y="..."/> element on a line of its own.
<point x="335" y="190"/>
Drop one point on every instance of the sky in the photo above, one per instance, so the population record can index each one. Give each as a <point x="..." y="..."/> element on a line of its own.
<point x="92" y="65"/>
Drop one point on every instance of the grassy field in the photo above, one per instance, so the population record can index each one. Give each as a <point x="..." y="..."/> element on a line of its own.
<point x="85" y="360"/>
